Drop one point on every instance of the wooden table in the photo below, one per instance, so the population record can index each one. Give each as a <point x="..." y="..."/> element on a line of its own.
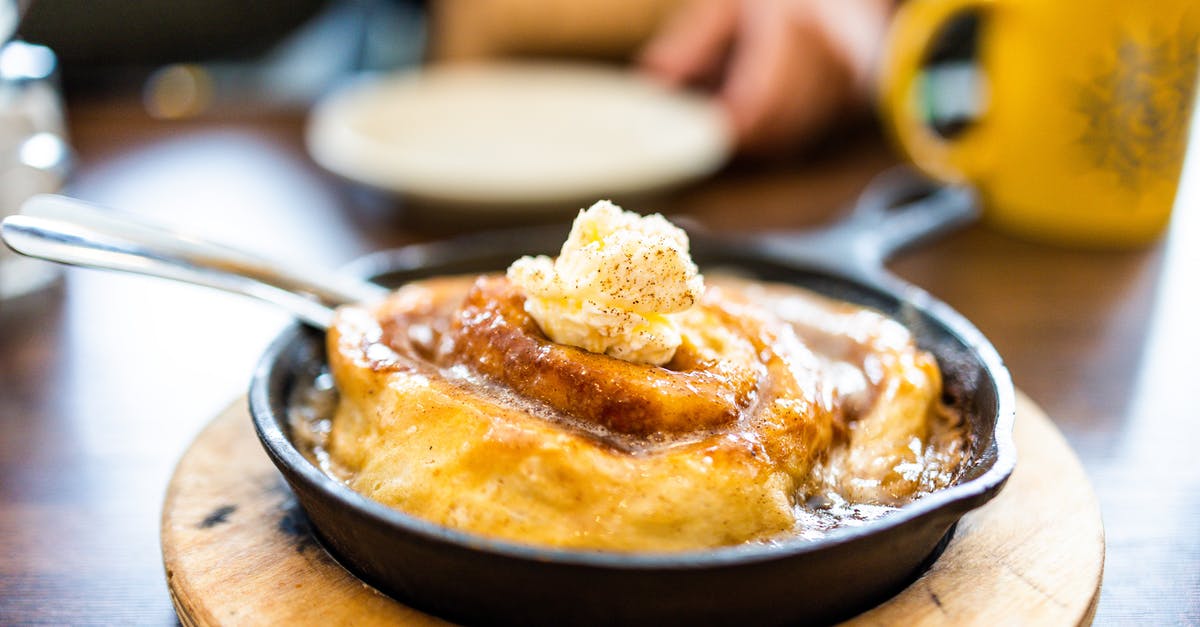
<point x="107" y="378"/>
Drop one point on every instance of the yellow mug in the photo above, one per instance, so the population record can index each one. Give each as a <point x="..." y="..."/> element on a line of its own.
<point x="1084" y="125"/>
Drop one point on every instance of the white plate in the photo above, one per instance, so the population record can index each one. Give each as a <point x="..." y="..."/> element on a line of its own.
<point x="517" y="135"/>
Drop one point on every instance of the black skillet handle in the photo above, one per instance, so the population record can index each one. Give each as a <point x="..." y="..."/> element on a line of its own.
<point x="897" y="209"/>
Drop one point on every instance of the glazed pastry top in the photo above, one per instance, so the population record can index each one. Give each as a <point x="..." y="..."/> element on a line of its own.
<point x="781" y="413"/>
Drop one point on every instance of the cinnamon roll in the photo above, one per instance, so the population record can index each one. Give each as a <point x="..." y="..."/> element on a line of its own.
<point x="778" y="413"/>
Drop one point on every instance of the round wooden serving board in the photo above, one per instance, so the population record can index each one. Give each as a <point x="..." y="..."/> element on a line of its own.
<point x="238" y="551"/>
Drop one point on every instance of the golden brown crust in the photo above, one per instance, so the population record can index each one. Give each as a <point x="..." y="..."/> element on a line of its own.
<point x="494" y="336"/>
<point x="456" y="409"/>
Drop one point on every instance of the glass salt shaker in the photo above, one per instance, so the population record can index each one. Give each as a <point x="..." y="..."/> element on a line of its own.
<point x="34" y="155"/>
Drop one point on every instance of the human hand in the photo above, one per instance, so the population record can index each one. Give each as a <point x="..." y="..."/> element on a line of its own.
<point x="783" y="69"/>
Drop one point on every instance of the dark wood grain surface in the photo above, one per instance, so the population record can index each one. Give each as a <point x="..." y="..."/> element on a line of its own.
<point x="105" y="379"/>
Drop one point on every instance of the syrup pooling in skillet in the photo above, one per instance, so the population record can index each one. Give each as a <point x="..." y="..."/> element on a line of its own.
<point x="809" y="414"/>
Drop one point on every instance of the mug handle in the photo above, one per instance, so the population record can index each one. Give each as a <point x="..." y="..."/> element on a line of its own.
<point x="913" y="28"/>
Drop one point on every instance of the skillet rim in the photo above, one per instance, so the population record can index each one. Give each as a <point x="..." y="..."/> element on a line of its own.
<point x="948" y="504"/>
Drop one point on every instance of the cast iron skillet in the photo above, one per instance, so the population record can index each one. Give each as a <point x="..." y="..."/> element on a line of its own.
<point x="470" y="578"/>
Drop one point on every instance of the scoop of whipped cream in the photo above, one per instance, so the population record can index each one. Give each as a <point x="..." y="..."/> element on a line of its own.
<point x="615" y="287"/>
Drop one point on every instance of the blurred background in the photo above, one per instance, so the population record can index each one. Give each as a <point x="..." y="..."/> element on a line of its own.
<point x="273" y="53"/>
<point x="201" y="115"/>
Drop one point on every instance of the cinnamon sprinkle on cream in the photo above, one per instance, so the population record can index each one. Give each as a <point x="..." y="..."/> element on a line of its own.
<point x="616" y="285"/>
